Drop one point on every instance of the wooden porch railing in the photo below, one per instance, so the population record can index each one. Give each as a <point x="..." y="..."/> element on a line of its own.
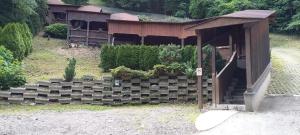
<point x="224" y="78"/>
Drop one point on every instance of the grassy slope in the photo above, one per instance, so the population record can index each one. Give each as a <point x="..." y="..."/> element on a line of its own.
<point x="48" y="60"/>
<point x="284" y="41"/>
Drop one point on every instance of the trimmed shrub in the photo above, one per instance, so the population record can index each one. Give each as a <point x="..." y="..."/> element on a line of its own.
<point x="175" y="69"/>
<point x="70" y="70"/>
<point x="108" y="57"/>
<point x="187" y="53"/>
<point x="12" y="39"/>
<point x="27" y="37"/>
<point x="57" y="30"/>
<point x="169" y="54"/>
<point x="11" y="73"/>
<point x="127" y="73"/>
<point x="148" y="57"/>
<point x="128" y="56"/>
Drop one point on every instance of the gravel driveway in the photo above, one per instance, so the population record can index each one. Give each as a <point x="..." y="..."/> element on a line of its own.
<point x="160" y="120"/>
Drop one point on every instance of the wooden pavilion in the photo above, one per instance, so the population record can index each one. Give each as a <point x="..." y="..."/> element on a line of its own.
<point x="247" y="34"/>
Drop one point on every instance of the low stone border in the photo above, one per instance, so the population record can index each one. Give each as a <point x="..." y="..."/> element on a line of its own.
<point x="164" y="89"/>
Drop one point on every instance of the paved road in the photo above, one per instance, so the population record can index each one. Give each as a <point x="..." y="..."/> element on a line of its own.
<point x="286" y="72"/>
<point x="160" y="120"/>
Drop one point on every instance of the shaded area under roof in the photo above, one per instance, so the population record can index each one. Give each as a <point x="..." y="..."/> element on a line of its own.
<point x="124" y="17"/>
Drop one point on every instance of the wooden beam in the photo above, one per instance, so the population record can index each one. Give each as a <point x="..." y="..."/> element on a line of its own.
<point x="215" y="93"/>
<point x="248" y="56"/>
<point x="231" y="44"/>
<point x="182" y="42"/>
<point x="199" y="62"/>
<point x="142" y="40"/>
<point x="87" y="33"/>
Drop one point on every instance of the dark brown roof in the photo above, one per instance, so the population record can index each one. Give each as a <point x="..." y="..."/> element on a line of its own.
<point x="124" y="17"/>
<point x="55" y="2"/>
<point x="251" y="14"/>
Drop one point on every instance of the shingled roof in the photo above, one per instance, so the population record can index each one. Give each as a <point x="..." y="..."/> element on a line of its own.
<point x="90" y="8"/>
<point x="124" y="17"/>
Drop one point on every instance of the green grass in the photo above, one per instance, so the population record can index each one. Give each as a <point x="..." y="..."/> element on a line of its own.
<point x="285" y="41"/>
<point x="191" y="109"/>
<point x="49" y="59"/>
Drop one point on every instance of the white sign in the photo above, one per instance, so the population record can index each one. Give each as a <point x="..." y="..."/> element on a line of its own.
<point x="199" y="71"/>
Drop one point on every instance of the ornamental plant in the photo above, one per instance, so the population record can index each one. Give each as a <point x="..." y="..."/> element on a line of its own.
<point x="70" y="70"/>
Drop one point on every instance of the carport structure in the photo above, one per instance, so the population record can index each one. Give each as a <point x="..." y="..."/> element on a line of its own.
<point x="247" y="34"/>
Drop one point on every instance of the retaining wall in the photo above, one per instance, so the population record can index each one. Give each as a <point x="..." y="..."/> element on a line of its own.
<point x="102" y="92"/>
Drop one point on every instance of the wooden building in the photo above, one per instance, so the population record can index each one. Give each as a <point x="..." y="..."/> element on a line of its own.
<point x="247" y="34"/>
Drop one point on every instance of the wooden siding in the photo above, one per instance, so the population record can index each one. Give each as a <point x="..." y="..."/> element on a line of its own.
<point x="150" y="29"/>
<point x="260" y="49"/>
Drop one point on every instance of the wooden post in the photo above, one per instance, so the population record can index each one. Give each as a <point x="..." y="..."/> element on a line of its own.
<point x="199" y="77"/>
<point x="69" y="29"/>
<point x="109" y="38"/>
<point x="113" y="41"/>
<point x="182" y="42"/>
<point x="231" y="44"/>
<point x="215" y="93"/>
<point x="248" y="56"/>
<point x="87" y="33"/>
<point x="142" y="40"/>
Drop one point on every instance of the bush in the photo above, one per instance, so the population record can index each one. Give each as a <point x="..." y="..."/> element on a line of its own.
<point x="169" y="54"/>
<point x="189" y="70"/>
<point x="12" y="39"/>
<point x="11" y="74"/>
<point x="108" y="57"/>
<point x="148" y="57"/>
<point x="187" y="53"/>
<point x="70" y="70"/>
<point x="128" y="56"/>
<point x="27" y="37"/>
<point x="57" y="30"/>
<point x="127" y="73"/>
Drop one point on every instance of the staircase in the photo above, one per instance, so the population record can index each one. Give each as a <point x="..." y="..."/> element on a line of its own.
<point x="235" y="93"/>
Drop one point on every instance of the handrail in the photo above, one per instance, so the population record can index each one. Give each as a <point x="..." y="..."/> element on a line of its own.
<point x="229" y="62"/>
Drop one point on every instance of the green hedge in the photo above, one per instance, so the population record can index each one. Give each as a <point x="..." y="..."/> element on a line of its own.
<point x="11" y="73"/>
<point x="134" y="57"/>
<point x="57" y="30"/>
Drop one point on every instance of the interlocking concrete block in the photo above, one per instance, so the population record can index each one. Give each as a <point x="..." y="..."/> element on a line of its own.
<point x="182" y="77"/>
<point x="88" y="84"/>
<point x="145" y="91"/>
<point x="15" y="100"/>
<point x="66" y="84"/>
<point x="85" y="100"/>
<point x="65" y="100"/>
<point x="164" y="99"/>
<point x="56" y="80"/>
<point x="17" y="90"/>
<point x="173" y="88"/>
<point x="182" y="92"/>
<point x="136" y="80"/>
<point x="98" y="88"/>
<point x="43" y="91"/>
<point x="135" y="88"/>
<point x="182" y="84"/>
<point x="154" y="87"/>
<point x="31" y="95"/>
<point x="164" y="92"/>
<point x="145" y="99"/>
<point x="173" y="81"/>
<point x="98" y="102"/>
<point x="98" y="82"/>
<point x="191" y="81"/>
<point x="117" y="96"/>
<point x="77" y="87"/>
<point x="41" y="100"/>
<point x="31" y="87"/>
<point x="174" y="95"/>
<point x="65" y="92"/>
<point x="97" y="96"/>
<point x="44" y="83"/>
<point x="5" y="94"/>
<point x="107" y="78"/>
<point x="76" y="95"/>
<point x="145" y="84"/>
<point x="117" y="89"/>
<point x="163" y="84"/>
<point x="87" y="92"/>
<point x="107" y="92"/>
<point x="54" y="96"/>
<point x="55" y="87"/>
<point x="163" y="77"/>
<point x="154" y="80"/>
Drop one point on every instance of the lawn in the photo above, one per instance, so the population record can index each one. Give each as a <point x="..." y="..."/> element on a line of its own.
<point x="49" y="59"/>
<point x="284" y="41"/>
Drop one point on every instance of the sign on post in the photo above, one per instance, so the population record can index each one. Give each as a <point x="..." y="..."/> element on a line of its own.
<point x="199" y="71"/>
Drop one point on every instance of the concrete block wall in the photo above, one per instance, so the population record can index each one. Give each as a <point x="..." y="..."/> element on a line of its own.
<point x="164" y="89"/>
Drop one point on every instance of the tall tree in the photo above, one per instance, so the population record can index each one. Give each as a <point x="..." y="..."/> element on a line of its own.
<point x="76" y="2"/>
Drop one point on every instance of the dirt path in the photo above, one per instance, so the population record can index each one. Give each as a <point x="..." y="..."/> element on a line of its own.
<point x="161" y="120"/>
<point x="286" y="72"/>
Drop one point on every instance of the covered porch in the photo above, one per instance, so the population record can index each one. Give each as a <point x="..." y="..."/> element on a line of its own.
<point x="247" y="72"/>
